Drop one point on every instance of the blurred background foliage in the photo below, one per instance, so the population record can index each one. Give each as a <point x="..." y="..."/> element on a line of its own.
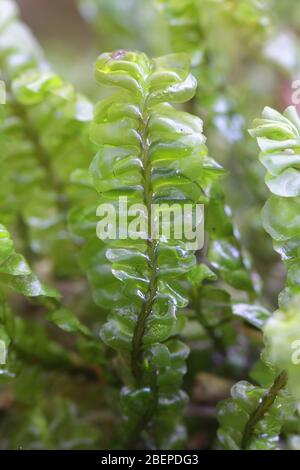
<point x="245" y="54"/>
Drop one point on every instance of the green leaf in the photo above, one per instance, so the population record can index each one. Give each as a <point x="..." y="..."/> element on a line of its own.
<point x="199" y="273"/>
<point x="67" y="321"/>
<point x="15" y="272"/>
<point x="256" y="315"/>
<point x="4" y="344"/>
<point x="282" y="334"/>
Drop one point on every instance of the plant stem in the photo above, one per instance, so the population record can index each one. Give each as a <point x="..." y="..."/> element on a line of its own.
<point x="136" y="355"/>
<point x="152" y="245"/>
<point x="266" y="403"/>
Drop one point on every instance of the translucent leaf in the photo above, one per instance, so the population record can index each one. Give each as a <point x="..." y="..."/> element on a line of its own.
<point x="15" y="272"/>
<point x="256" y="315"/>
<point x="67" y="321"/>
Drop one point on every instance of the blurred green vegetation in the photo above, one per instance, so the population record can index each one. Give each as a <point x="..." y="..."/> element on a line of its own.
<point x="243" y="62"/>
